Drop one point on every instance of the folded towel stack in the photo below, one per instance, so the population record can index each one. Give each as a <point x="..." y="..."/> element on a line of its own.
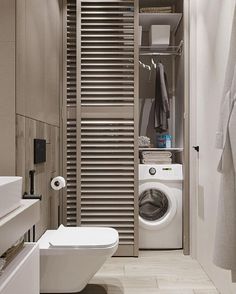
<point x="166" y="9"/>
<point x="144" y="141"/>
<point x="10" y="254"/>
<point x="156" y="157"/>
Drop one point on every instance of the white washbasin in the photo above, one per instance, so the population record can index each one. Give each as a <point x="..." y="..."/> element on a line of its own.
<point x="10" y="194"/>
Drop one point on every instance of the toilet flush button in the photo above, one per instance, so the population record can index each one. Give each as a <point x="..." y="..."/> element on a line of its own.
<point x="152" y="171"/>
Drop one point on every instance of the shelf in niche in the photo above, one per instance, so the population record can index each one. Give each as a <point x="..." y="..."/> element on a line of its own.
<point x="162" y="149"/>
<point x="161" y="50"/>
<point x="148" y="19"/>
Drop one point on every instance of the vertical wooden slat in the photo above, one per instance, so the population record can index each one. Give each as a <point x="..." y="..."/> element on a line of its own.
<point x="78" y="27"/>
<point x="20" y="147"/>
<point x="69" y="121"/>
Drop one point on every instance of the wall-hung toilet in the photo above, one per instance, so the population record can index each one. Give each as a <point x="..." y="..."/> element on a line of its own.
<point x="70" y="256"/>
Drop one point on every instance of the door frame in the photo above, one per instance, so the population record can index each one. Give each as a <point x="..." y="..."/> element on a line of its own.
<point x="192" y="125"/>
<point x="190" y="130"/>
<point x="186" y="166"/>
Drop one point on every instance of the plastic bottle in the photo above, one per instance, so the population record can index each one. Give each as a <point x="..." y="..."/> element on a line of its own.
<point x="168" y="141"/>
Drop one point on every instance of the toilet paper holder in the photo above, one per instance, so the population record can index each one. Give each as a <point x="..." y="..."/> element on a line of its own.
<point x="57" y="183"/>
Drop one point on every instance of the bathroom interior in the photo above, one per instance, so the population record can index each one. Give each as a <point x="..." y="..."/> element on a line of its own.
<point x="110" y="180"/>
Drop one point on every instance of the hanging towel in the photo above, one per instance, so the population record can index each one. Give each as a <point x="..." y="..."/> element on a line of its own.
<point x="162" y="105"/>
<point x="225" y="240"/>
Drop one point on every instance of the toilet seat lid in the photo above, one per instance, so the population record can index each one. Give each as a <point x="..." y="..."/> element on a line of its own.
<point x="84" y="237"/>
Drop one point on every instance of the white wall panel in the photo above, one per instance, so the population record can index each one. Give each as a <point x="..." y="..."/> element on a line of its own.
<point x="213" y="27"/>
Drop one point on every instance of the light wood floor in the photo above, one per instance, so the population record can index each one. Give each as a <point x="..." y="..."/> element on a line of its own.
<point x="154" y="272"/>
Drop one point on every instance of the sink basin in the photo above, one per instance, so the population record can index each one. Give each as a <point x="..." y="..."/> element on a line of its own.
<point x="10" y="194"/>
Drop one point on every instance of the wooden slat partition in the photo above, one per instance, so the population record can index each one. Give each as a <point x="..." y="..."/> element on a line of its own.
<point x="102" y="155"/>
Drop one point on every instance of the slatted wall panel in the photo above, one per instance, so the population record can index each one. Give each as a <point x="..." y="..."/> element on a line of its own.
<point x="107" y="175"/>
<point x="107" y="125"/>
<point x="70" y="134"/>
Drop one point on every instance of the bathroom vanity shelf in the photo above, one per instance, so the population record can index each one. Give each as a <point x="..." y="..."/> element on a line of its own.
<point x="15" y="224"/>
<point x="22" y="269"/>
<point x="148" y="19"/>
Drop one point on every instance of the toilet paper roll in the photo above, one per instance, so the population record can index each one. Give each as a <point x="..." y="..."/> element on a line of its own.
<point x="58" y="183"/>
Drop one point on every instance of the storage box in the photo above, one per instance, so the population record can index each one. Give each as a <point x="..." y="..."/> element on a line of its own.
<point x="159" y="35"/>
<point x="140" y="35"/>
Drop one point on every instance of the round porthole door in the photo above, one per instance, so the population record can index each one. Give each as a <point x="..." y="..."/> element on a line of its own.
<point x="157" y="206"/>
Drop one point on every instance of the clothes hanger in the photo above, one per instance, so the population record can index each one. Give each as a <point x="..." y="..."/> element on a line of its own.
<point x="153" y="63"/>
<point x="145" y="65"/>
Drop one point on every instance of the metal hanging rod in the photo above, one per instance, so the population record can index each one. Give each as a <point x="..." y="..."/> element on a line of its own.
<point x="161" y="50"/>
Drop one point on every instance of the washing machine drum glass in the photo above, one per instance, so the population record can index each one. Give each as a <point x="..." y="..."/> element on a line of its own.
<point x="153" y="204"/>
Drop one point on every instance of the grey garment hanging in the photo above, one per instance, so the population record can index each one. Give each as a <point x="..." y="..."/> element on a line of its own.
<point x="225" y="241"/>
<point x="225" y="103"/>
<point x="153" y="205"/>
<point x="162" y="105"/>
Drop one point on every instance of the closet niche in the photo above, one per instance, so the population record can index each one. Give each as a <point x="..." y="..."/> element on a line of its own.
<point x="171" y="56"/>
<point x="174" y="58"/>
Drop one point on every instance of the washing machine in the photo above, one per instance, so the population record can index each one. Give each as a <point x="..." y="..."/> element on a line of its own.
<point x="160" y="206"/>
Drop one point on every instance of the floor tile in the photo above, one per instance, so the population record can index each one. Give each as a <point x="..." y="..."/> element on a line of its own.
<point x="204" y="291"/>
<point x="173" y="291"/>
<point x="185" y="282"/>
<point x="111" y="270"/>
<point x="154" y="272"/>
<point x="126" y="284"/>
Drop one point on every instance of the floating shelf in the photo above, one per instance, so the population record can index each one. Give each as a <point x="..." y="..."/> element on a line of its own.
<point x="161" y="50"/>
<point x="148" y="19"/>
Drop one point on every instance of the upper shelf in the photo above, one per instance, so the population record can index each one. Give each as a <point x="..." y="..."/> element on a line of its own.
<point x="148" y="19"/>
<point x="161" y="50"/>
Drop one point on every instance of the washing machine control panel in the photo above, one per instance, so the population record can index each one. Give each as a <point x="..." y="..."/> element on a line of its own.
<point x="152" y="171"/>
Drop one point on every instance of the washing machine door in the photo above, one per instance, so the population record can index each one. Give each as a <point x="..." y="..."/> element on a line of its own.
<point x="157" y="206"/>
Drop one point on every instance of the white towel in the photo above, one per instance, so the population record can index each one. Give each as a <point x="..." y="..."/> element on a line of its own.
<point x="156" y="154"/>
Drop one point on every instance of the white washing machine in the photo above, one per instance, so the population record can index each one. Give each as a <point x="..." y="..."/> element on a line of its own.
<point x="160" y="206"/>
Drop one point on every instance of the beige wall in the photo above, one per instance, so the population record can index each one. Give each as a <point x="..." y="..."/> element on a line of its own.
<point x="27" y="130"/>
<point x="214" y="23"/>
<point x="38" y="52"/>
<point x="38" y="74"/>
<point x="7" y="87"/>
<point x="30" y="73"/>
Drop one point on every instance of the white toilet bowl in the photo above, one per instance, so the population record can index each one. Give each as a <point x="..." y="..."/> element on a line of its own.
<point x="70" y="256"/>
